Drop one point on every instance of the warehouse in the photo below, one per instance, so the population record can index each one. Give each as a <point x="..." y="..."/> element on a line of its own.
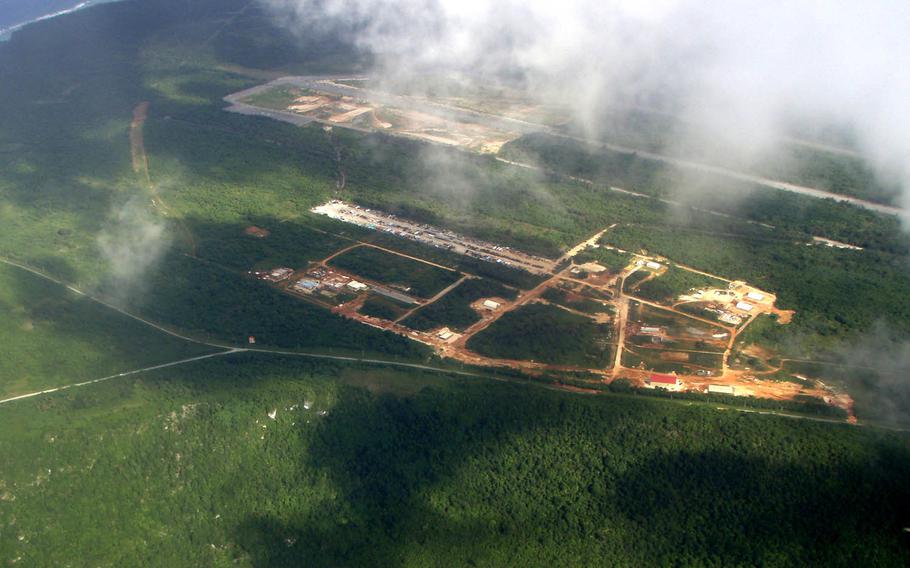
<point x="661" y="381"/>
<point x="721" y="389"/>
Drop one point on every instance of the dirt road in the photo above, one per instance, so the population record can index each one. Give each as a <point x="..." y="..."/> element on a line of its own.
<point x="141" y="167"/>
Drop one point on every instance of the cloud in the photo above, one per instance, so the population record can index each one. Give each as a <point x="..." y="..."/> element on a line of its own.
<point x="131" y="244"/>
<point x="736" y="72"/>
<point x="880" y="372"/>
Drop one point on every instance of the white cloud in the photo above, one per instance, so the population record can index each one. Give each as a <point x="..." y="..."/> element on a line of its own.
<point x="737" y="69"/>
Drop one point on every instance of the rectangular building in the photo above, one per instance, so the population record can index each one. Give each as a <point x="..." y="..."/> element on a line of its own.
<point x="661" y="381"/>
<point x="721" y="389"/>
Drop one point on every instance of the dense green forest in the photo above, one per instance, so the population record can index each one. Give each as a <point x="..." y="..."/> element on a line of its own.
<point x="64" y="174"/>
<point x="371" y="467"/>
<point x="545" y="333"/>
<point x="212" y="302"/>
<point x="613" y="260"/>
<point x="838" y="173"/>
<point x="52" y="337"/>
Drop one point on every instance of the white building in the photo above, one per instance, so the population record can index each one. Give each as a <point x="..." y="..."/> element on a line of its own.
<point x="653" y="265"/>
<point x="744" y="306"/>
<point x="490" y="305"/>
<point x="355" y="285"/>
<point x="755" y="296"/>
<point x="721" y="389"/>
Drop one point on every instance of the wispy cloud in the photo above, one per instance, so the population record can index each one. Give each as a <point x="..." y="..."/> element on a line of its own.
<point x="738" y="73"/>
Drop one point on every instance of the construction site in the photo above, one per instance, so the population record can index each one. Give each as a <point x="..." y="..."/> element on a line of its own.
<point x="334" y="103"/>
<point x="686" y="344"/>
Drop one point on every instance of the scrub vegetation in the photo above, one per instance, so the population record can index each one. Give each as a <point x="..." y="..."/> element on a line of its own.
<point x="53" y="337"/>
<point x="418" y="278"/>
<point x="184" y="467"/>
<point x="542" y="332"/>
<point x="454" y="309"/>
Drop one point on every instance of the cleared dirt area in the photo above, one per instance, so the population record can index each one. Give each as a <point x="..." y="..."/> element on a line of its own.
<point x="686" y="336"/>
<point x="434" y="236"/>
<point x="325" y="102"/>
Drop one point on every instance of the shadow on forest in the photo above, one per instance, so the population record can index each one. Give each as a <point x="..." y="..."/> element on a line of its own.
<point x="390" y="458"/>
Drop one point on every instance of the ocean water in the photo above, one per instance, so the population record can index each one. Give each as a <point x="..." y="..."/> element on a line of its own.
<point x="17" y="13"/>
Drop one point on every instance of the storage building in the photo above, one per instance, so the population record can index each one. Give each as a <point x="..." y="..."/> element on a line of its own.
<point x="661" y="381"/>
<point x="490" y="304"/>
<point x="721" y="389"/>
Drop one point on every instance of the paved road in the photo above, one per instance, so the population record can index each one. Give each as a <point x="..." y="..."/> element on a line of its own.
<point x="119" y="375"/>
<point x="740" y="176"/>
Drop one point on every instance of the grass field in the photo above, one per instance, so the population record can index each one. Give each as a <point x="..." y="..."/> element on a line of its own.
<point x="53" y="337"/>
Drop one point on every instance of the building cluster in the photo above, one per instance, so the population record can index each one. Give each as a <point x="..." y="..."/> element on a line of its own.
<point x="731" y="305"/>
<point x="274" y="275"/>
<point x="327" y="282"/>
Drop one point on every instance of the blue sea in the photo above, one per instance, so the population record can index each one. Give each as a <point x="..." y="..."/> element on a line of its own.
<point x="15" y="14"/>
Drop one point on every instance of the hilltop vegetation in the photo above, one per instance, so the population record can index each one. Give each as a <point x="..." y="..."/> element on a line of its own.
<point x="192" y="471"/>
<point x="802" y="165"/>
<point x="53" y="337"/>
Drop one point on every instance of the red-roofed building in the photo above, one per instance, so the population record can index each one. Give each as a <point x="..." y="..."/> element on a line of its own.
<point x="661" y="381"/>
